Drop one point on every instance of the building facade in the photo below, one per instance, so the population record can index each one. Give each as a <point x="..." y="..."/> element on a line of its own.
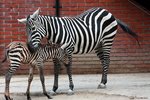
<point x="126" y="55"/>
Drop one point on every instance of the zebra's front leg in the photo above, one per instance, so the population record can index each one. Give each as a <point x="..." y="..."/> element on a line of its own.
<point x="71" y="85"/>
<point x="40" y="68"/>
<point x="30" y="78"/>
<point x="57" y="66"/>
<point x="68" y="63"/>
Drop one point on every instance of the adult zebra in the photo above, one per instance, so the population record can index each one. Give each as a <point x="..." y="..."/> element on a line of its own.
<point x="18" y="53"/>
<point x="94" y="29"/>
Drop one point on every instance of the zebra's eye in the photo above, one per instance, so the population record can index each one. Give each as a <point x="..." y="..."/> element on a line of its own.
<point x="33" y="28"/>
<point x="32" y="18"/>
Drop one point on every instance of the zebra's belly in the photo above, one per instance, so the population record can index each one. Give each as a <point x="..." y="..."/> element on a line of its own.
<point x="25" y="62"/>
<point x="83" y="49"/>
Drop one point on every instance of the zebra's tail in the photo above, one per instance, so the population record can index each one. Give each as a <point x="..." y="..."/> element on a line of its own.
<point x="6" y="53"/>
<point x="126" y="28"/>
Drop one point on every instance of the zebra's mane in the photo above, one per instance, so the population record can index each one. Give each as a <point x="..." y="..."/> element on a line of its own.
<point x="14" y="44"/>
<point x="77" y="16"/>
<point x="86" y="12"/>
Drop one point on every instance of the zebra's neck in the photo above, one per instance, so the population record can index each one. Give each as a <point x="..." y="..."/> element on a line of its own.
<point x="49" y="23"/>
<point x="56" y="27"/>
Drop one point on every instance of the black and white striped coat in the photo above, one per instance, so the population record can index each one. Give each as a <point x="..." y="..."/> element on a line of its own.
<point x="94" y="29"/>
<point x="18" y="53"/>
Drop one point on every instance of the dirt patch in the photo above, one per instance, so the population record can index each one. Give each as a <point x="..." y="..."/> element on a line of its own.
<point x="80" y="95"/>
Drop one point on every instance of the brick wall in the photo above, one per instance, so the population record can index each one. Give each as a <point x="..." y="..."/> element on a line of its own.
<point x="126" y="55"/>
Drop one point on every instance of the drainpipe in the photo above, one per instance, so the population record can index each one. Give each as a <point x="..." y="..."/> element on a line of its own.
<point x="57" y="7"/>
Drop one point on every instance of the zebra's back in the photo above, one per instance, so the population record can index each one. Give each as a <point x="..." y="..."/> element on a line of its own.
<point x="84" y="31"/>
<point x="18" y="52"/>
<point x="89" y="29"/>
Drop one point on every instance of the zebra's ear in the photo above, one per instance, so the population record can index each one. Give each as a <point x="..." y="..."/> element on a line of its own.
<point x="35" y="14"/>
<point x="64" y="46"/>
<point x="23" y="20"/>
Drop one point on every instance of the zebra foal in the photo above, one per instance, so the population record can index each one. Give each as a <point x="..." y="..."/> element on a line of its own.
<point x="18" y="52"/>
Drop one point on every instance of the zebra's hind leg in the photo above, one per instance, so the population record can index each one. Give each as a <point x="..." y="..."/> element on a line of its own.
<point x="30" y="78"/>
<point x="103" y="52"/>
<point x="105" y="65"/>
<point x="7" y="81"/>
<point x="40" y="68"/>
<point x="8" y="76"/>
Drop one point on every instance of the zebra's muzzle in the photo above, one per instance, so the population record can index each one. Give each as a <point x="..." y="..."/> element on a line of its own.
<point x="32" y="48"/>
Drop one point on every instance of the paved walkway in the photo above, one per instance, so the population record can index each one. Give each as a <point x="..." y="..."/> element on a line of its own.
<point x="119" y="87"/>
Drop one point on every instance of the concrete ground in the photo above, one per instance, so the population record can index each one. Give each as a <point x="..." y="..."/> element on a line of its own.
<point x="119" y="87"/>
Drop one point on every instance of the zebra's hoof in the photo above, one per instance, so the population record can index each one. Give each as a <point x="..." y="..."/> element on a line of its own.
<point x="70" y="92"/>
<point x="48" y="96"/>
<point x="101" y="86"/>
<point x="52" y="92"/>
<point x="8" y="98"/>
